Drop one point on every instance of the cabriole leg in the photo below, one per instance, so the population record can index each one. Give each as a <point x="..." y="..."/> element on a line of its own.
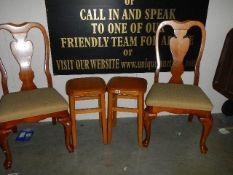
<point x="207" y="123"/>
<point x="5" y="148"/>
<point x="68" y="136"/>
<point x="147" y="119"/>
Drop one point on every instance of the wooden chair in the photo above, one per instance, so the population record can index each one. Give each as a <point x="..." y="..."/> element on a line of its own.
<point x="87" y="88"/>
<point x="29" y="104"/>
<point x="176" y="97"/>
<point x="125" y="88"/>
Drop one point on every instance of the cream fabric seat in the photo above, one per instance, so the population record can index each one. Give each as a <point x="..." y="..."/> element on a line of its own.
<point x="25" y="104"/>
<point x="178" y="96"/>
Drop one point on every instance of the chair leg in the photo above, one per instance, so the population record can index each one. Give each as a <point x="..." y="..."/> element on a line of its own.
<point x="14" y="129"/>
<point x="110" y="96"/>
<point x="5" y="148"/>
<point x="67" y="124"/>
<point x="54" y="121"/>
<point x="73" y="120"/>
<point x="103" y="119"/>
<point x="190" y="118"/>
<point x="207" y="123"/>
<point x="147" y="119"/>
<point x="140" y="119"/>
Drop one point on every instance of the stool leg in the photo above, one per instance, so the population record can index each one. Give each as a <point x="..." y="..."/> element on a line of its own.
<point x="110" y="95"/>
<point x="103" y="119"/>
<point x="73" y="120"/>
<point x="114" y="113"/>
<point x="140" y="118"/>
<point x="100" y="113"/>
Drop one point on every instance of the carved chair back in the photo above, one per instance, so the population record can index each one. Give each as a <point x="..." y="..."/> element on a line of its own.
<point x="179" y="46"/>
<point x="22" y="50"/>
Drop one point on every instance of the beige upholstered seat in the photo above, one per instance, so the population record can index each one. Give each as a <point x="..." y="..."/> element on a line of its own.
<point x="21" y="105"/>
<point x="178" y="96"/>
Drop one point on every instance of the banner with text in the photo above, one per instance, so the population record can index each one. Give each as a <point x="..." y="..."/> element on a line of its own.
<point x="116" y="36"/>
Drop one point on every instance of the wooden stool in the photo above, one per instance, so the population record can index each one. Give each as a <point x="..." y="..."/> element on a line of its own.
<point x="126" y="88"/>
<point x="88" y="88"/>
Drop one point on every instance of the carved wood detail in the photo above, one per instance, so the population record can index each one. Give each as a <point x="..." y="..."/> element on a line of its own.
<point x="179" y="46"/>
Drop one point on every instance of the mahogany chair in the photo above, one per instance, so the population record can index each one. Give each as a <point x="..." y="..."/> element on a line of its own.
<point x="29" y="104"/>
<point x="125" y="88"/>
<point x="87" y="88"/>
<point x="176" y="97"/>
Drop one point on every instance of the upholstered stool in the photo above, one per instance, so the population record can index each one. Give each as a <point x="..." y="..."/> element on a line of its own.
<point x="88" y="88"/>
<point x="126" y="88"/>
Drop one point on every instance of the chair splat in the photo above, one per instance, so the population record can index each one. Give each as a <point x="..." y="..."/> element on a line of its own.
<point x="179" y="46"/>
<point x="22" y="50"/>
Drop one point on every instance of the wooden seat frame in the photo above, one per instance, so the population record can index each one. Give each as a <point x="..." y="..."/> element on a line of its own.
<point x="179" y="46"/>
<point x="26" y="75"/>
